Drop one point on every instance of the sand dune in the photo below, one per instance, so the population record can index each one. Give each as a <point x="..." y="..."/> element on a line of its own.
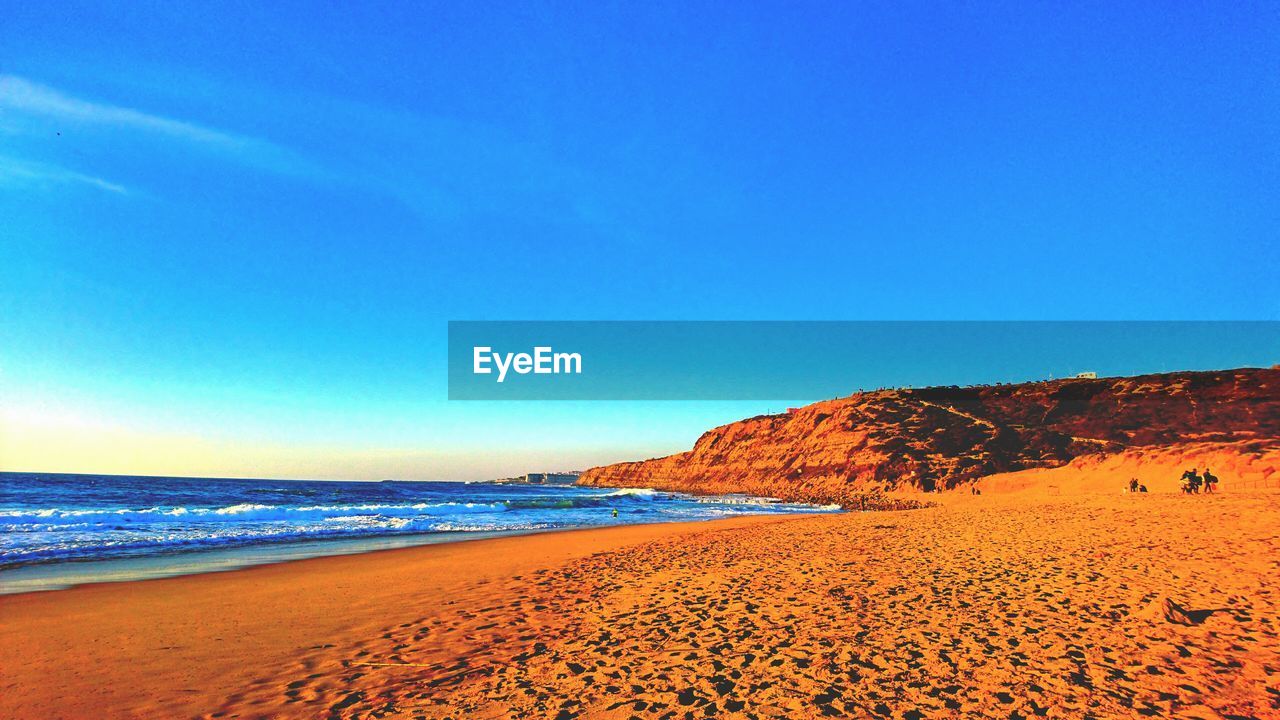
<point x="1242" y="466"/>
<point x="992" y="606"/>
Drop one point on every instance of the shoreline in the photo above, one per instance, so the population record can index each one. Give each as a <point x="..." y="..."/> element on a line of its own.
<point x="62" y="575"/>
<point x="74" y="534"/>
<point x="69" y="574"/>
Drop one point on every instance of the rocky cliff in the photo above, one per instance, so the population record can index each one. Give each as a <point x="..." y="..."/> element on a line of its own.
<point x="943" y="438"/>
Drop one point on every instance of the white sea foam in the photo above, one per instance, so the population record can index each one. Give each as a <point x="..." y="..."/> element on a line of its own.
<point x="244" y="512"/>
<point x="645" y="493"/>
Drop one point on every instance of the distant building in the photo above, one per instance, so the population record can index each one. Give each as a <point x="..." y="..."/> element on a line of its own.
<point x="551" y="478"/>
<point x="1088" y="375"/>
<point x="542" y="478"/>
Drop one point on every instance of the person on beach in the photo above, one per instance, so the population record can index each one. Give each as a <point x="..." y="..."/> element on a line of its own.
<point x="1210" y="480"/>
<point x="1133" y="485"/>
<point x="1191" y="482"/>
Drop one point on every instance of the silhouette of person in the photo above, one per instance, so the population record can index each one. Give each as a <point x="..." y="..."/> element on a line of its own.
<point x="1189" y="478"/>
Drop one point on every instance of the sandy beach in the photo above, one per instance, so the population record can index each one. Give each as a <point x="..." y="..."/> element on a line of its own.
<point x="992" y="606"/>
<point x="639" y="361"/>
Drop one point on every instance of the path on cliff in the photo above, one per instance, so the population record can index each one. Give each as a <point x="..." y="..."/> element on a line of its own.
<point x="989" y="424"/>
<point x="961" y="413"/>
<point x="1104" y="443"/>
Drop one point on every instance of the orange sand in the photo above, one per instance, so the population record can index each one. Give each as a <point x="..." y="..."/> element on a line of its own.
<point x="1101" y="605"/>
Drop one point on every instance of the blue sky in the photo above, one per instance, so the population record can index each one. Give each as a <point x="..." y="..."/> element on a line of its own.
<point x="230" y="237"/>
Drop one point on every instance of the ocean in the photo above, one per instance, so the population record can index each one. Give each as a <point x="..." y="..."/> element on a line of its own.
<point x="59" y="530"/>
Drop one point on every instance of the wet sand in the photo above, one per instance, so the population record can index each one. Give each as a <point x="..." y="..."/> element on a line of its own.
<point x="998" y="606"/>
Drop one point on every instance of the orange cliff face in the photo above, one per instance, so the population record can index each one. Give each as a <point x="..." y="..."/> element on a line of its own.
<point x="941" y="438"/>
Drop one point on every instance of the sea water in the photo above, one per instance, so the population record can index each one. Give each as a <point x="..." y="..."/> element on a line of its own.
<point x="59" y="530"/>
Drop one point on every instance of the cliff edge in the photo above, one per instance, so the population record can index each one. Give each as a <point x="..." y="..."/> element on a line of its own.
<point x="942" y="438"/>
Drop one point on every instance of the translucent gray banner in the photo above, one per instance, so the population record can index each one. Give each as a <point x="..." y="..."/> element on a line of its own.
<point x="770" y="360"/>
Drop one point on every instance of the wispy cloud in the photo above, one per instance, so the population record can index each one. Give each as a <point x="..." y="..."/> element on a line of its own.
<point x="19" y="94"/>
<point x="22" y="96"/>
<point x="22" y="172"/>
